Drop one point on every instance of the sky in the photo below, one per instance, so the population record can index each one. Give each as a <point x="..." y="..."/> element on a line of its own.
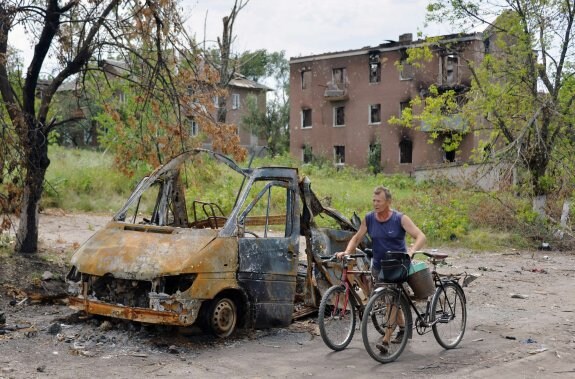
<point x="308" y="27"/>
<point x="299" y="27"/>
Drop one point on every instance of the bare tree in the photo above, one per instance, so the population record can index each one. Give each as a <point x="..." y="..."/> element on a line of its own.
<point x="225" y="46"/>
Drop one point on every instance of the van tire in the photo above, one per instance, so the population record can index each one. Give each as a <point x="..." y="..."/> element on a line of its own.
<point x="222" y="316"/>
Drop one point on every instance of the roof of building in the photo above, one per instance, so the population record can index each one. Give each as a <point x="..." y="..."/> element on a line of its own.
<point x="243" y="82"/>
<point x="405" y="41"/>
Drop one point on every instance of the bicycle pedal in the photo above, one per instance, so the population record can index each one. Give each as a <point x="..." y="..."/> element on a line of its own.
<point x="444" y="319"/>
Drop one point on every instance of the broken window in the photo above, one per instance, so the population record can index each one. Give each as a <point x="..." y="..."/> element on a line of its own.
<point x="407" y="70"/>
<point x="403" y="105"/>
<point x="235" y="101"/>
<point x="339" y="77"/>
<point x="449" y="156"/>
<point x="305" y="79"/>
<point x="405" y="151"/>
<point x="375" y="113"/>
<point x="307" y="154"/>
<point x="161" y="204"/>
<point x="374" y="156"/>
<point x="265" y="205"/>
<point x="339" y="116"/>
<point x="374" y="68"/>
<point x="306" y="118"/>
<point x="339" y="154"/>
<point x="450" y="64"/>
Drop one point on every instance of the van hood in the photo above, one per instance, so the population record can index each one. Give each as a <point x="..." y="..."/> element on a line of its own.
<point x="141" y="252"/>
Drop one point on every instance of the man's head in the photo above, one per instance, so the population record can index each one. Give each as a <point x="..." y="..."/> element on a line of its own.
<point x="381" y="189"/>
<point x="381" y="198"/>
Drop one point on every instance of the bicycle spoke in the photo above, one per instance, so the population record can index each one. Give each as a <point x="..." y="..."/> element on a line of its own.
<point x="381" y="334"/>
<point x="337" y="318"/>
<point x="450" y="315"/>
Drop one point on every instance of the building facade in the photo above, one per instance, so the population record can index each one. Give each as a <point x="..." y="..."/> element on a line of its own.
<point x="239" y="90"/>
<point x="340" y="103"/>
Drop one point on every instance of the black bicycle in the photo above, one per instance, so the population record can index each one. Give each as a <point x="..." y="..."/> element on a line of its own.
<point x="389" y="324"/>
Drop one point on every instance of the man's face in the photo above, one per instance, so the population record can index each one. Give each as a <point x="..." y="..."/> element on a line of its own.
<point x="379" y="201"/>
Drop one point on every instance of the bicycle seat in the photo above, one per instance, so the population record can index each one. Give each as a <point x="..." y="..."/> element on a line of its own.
<point x="434" y="255"/>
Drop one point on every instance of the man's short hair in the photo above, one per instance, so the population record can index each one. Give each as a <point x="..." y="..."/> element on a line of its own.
<point x="379" y="189"/>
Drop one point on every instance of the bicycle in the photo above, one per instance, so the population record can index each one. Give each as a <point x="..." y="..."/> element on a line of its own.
<point x="445" y="314"/>
<point x="342" y="303"/>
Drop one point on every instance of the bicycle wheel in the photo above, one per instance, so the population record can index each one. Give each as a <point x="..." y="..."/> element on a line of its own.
<point x="384" y="312"/>
<point x="337" y="318"/>
<point x="448" y="308"/>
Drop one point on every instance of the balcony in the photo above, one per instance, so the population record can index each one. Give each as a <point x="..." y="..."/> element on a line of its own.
<point x="453" y="123"/>
<point x="336" y="92"/>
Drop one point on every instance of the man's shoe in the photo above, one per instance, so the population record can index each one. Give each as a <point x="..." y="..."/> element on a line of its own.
<point x="383" y="347"/>
<point x="399" y="336"/>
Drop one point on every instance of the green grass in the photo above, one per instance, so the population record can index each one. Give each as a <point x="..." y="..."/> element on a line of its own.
<point x="83" y="180"/>
<point x="87" y="181"/>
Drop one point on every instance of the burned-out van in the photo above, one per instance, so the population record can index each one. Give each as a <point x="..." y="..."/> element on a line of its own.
<point x="170" y="258"/>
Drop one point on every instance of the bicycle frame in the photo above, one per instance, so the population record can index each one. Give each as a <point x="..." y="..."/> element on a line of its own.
<point x="422" y="321"/>
<point x="349" y="286"/>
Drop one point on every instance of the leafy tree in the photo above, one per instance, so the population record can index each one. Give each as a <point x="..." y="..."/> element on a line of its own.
<point x="254" y="65"/>
<point x="271" y="124"/>
<point x="149" y="37"/>
<point x="522" y="91"/>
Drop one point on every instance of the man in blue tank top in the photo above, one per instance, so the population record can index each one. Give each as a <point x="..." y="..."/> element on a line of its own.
<point x="387" y="228"/>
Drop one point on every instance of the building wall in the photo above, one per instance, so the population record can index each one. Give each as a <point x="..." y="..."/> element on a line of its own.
<point x="358" y="133"/>
<point x="235" y="116"/>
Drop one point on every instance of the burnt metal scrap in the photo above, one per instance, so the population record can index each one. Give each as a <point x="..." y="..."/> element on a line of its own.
<point x="167" y="258"/>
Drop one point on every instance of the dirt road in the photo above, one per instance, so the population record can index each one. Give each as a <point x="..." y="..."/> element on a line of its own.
<point x="521" y="324"/>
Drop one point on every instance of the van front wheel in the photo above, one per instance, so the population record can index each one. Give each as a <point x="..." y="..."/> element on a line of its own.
<point x="222" y="317"/>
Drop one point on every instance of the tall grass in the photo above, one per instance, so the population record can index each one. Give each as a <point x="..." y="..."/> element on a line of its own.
<point x="82" y="180"/>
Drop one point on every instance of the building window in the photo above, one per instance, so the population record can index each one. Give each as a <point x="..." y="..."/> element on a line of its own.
<point x="375" y="113"/>
<point x="339" y="154"/>
<point x="306" y="118"/>
<point x="339" y="76"/>
<point x="407" y="71"/>
<point x="305" y="79"/>
<point x="374" y="68"/>
<point x="374" y="157"/>
<point x="307" y="154"/>
<point x="486" y="45"/>
<point x="339" y="116"/>
<point x="121" y="97"/>
<point x="403" y="105"/>
<point x="216" y="100"/>
<point x="450" y="64"/>
<point x="193" y="127"/>
<point x="405" y="151"/>
<point x="235" y="101"/>
<point x="449" y="156"/>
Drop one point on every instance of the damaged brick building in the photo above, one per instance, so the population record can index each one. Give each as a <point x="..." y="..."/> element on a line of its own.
<point x="340" y="103"/>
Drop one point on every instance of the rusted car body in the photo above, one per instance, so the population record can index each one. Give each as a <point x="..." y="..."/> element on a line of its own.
<point x="194" y="265"/>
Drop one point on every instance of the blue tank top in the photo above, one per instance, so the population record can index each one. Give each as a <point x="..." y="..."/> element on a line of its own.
<point x="385" y="236"/>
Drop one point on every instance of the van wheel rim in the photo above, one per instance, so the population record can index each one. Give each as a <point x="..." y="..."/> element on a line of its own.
<point x="224" y="317"/>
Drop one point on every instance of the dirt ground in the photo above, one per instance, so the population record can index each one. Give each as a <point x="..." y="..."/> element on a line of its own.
<point x="521" y="324"/>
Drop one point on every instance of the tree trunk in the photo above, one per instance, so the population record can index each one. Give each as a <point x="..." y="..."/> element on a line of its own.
<point x="37" y="157"/>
